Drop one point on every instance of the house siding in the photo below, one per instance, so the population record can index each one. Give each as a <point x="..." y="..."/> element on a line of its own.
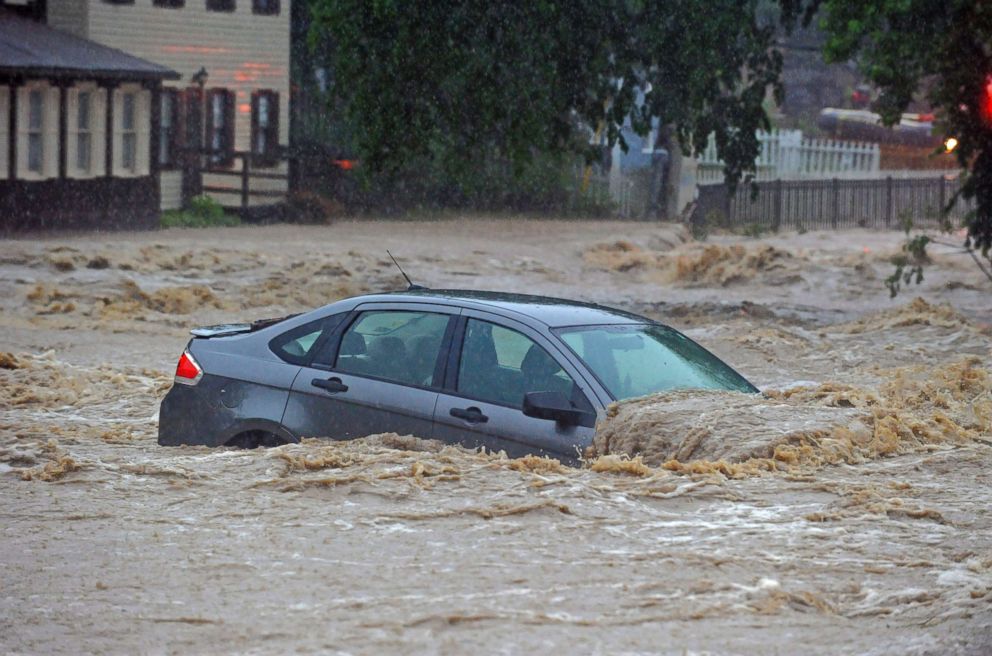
<point x="171" y="183"/>
<point x="240" y="50"/>
<point x="68" y="16"/>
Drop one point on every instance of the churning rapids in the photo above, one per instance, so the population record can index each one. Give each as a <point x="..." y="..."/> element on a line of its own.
<point x="847" y="510"/>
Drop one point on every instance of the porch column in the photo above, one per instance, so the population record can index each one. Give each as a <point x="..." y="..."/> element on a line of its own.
<point x="155" y="129"/>
<point x="109" y="88"/>
<point x="63" y="128"/>
<point x="12" y="134"/>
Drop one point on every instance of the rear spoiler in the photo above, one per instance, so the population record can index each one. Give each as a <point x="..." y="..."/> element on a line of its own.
<point x="226" y="329"/>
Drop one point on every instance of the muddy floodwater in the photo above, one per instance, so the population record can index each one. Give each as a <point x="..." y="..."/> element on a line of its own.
<point x="846" y="510"/>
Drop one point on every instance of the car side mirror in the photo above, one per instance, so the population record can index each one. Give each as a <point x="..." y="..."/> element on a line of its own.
<point x="551" y="405"/>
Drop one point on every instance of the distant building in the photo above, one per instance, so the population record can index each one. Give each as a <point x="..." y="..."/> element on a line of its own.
<point x="111" y="110"/>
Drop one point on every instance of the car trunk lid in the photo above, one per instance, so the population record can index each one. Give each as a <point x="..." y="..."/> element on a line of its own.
<point x="227" y="329"/>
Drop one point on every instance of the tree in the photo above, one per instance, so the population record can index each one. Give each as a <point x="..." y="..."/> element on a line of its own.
<point x="455" y="83"/>
<point x="940" y="50"/>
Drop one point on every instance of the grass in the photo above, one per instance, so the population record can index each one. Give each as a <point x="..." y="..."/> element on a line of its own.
<point x="203" y="212"/>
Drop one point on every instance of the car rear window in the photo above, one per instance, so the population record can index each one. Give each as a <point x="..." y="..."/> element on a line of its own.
<point x="399" y="346"/>
<point x="296" y="345"/>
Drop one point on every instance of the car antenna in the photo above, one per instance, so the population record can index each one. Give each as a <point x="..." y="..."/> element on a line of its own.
<point x="412" y="286"/>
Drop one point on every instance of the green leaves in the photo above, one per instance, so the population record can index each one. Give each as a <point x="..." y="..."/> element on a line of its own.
<point x="453" y="90"/>
<point x="909" y="263"/>
<point x="452" y="84"/>
<point x="939" y="51"/>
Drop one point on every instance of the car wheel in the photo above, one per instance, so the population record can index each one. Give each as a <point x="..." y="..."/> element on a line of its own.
<point x="255" y="439"/>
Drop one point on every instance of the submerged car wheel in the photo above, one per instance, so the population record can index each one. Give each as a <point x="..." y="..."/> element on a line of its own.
<point x="255" y="439"/>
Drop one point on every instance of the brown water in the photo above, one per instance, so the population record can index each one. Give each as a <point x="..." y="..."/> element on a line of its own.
<point x="847" y="511"/>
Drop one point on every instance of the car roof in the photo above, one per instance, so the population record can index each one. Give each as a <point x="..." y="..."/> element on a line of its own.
<point x="554" y="312"/>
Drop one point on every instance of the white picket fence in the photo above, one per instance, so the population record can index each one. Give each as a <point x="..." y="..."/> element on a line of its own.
<point x="788" y="155"/>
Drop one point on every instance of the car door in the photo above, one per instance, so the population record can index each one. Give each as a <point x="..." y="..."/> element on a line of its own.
<point x="495" y="361"/>
<point x="377" y="374"/>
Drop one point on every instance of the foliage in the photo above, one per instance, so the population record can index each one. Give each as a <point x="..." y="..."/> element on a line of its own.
<point x="547" y="183"/>
<point x="753" y="230"/>
<point x="448" y="90"/>
<point x="909" y="263"/>
<point x="203" y="212"/>
<point x="941" y="51"/>
<point x="455" y="84"/>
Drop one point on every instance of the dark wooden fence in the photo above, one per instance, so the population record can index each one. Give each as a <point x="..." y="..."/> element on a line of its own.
<point x="242" y="188"/>
<point x="823" y="204"/>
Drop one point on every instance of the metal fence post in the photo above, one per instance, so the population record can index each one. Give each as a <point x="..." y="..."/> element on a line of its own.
<point x="836" y="189"/>
<point x="777" y="220"/>
<point x="244" y="181"/>
<point x="726" y="203"/>
<point x="888" y="201"/>
<point x="943" y="198"/>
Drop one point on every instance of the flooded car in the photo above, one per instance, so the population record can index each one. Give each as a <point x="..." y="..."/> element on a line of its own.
<point x="511" y="372"/>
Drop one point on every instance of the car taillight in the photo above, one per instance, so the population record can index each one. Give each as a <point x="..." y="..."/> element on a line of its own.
<point x="188" y="371"/>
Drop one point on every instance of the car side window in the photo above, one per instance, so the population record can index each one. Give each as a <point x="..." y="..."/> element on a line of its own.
<point x="500" y="365"/>
<point x="294" y="346"/>
<point x="396" y="345"/>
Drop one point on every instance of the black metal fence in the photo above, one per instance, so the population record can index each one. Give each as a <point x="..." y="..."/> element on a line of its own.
<point x="823" y="204"/>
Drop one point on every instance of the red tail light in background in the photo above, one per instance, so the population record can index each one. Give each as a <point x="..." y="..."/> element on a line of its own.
<point x="188" y="371"/>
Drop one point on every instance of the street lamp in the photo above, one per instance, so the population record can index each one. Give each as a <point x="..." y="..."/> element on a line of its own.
<point x="199" y="78"/>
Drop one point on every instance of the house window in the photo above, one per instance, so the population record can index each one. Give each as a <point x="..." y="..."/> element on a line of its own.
<point x="38" y="130"/>
<point x="86" y="122"/>
<point x="220" y="126"/>
<point x="265" y="127"/>
<point x="129" y="132"/>
<point x="118" y="2"/>
<point x="168" y="143"/>
<point x="132" y="131"/>
<point x="220" y="5"/>
<point x="84" y="132"/>
<point x="267" y="7"/>
<point x="169" y="3"/>
<point x="35" y="131"/>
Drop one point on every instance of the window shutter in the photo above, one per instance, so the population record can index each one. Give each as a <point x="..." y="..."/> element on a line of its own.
<point x="50" y="165"/>
<point x="193" y="118"/>
<point x="273" y="128"/>
<point x="117" y="98"/>
<point x="254" y="123"/>
<point x="72" y="130"/>
<point x="230" y="116"/>
<point x="182" y="127"/>
<point x="98" y="123"/>
<point x="4" y="131"/>
<point x="172" y="140"/>
<point x="143" y="124"/>
<point x="208" y="141"/>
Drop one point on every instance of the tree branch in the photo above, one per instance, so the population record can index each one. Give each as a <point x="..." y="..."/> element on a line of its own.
<point x="969" y="251"/>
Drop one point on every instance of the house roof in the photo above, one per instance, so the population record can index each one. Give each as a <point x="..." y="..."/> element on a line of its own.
<point x="31" y="48"/>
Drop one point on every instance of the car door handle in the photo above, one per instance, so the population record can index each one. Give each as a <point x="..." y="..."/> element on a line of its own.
<point x="331" y="384"/>
<point x="472" y="415"/>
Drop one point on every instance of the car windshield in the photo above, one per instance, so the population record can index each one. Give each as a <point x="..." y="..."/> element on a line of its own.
<point x="635" y="360"/>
